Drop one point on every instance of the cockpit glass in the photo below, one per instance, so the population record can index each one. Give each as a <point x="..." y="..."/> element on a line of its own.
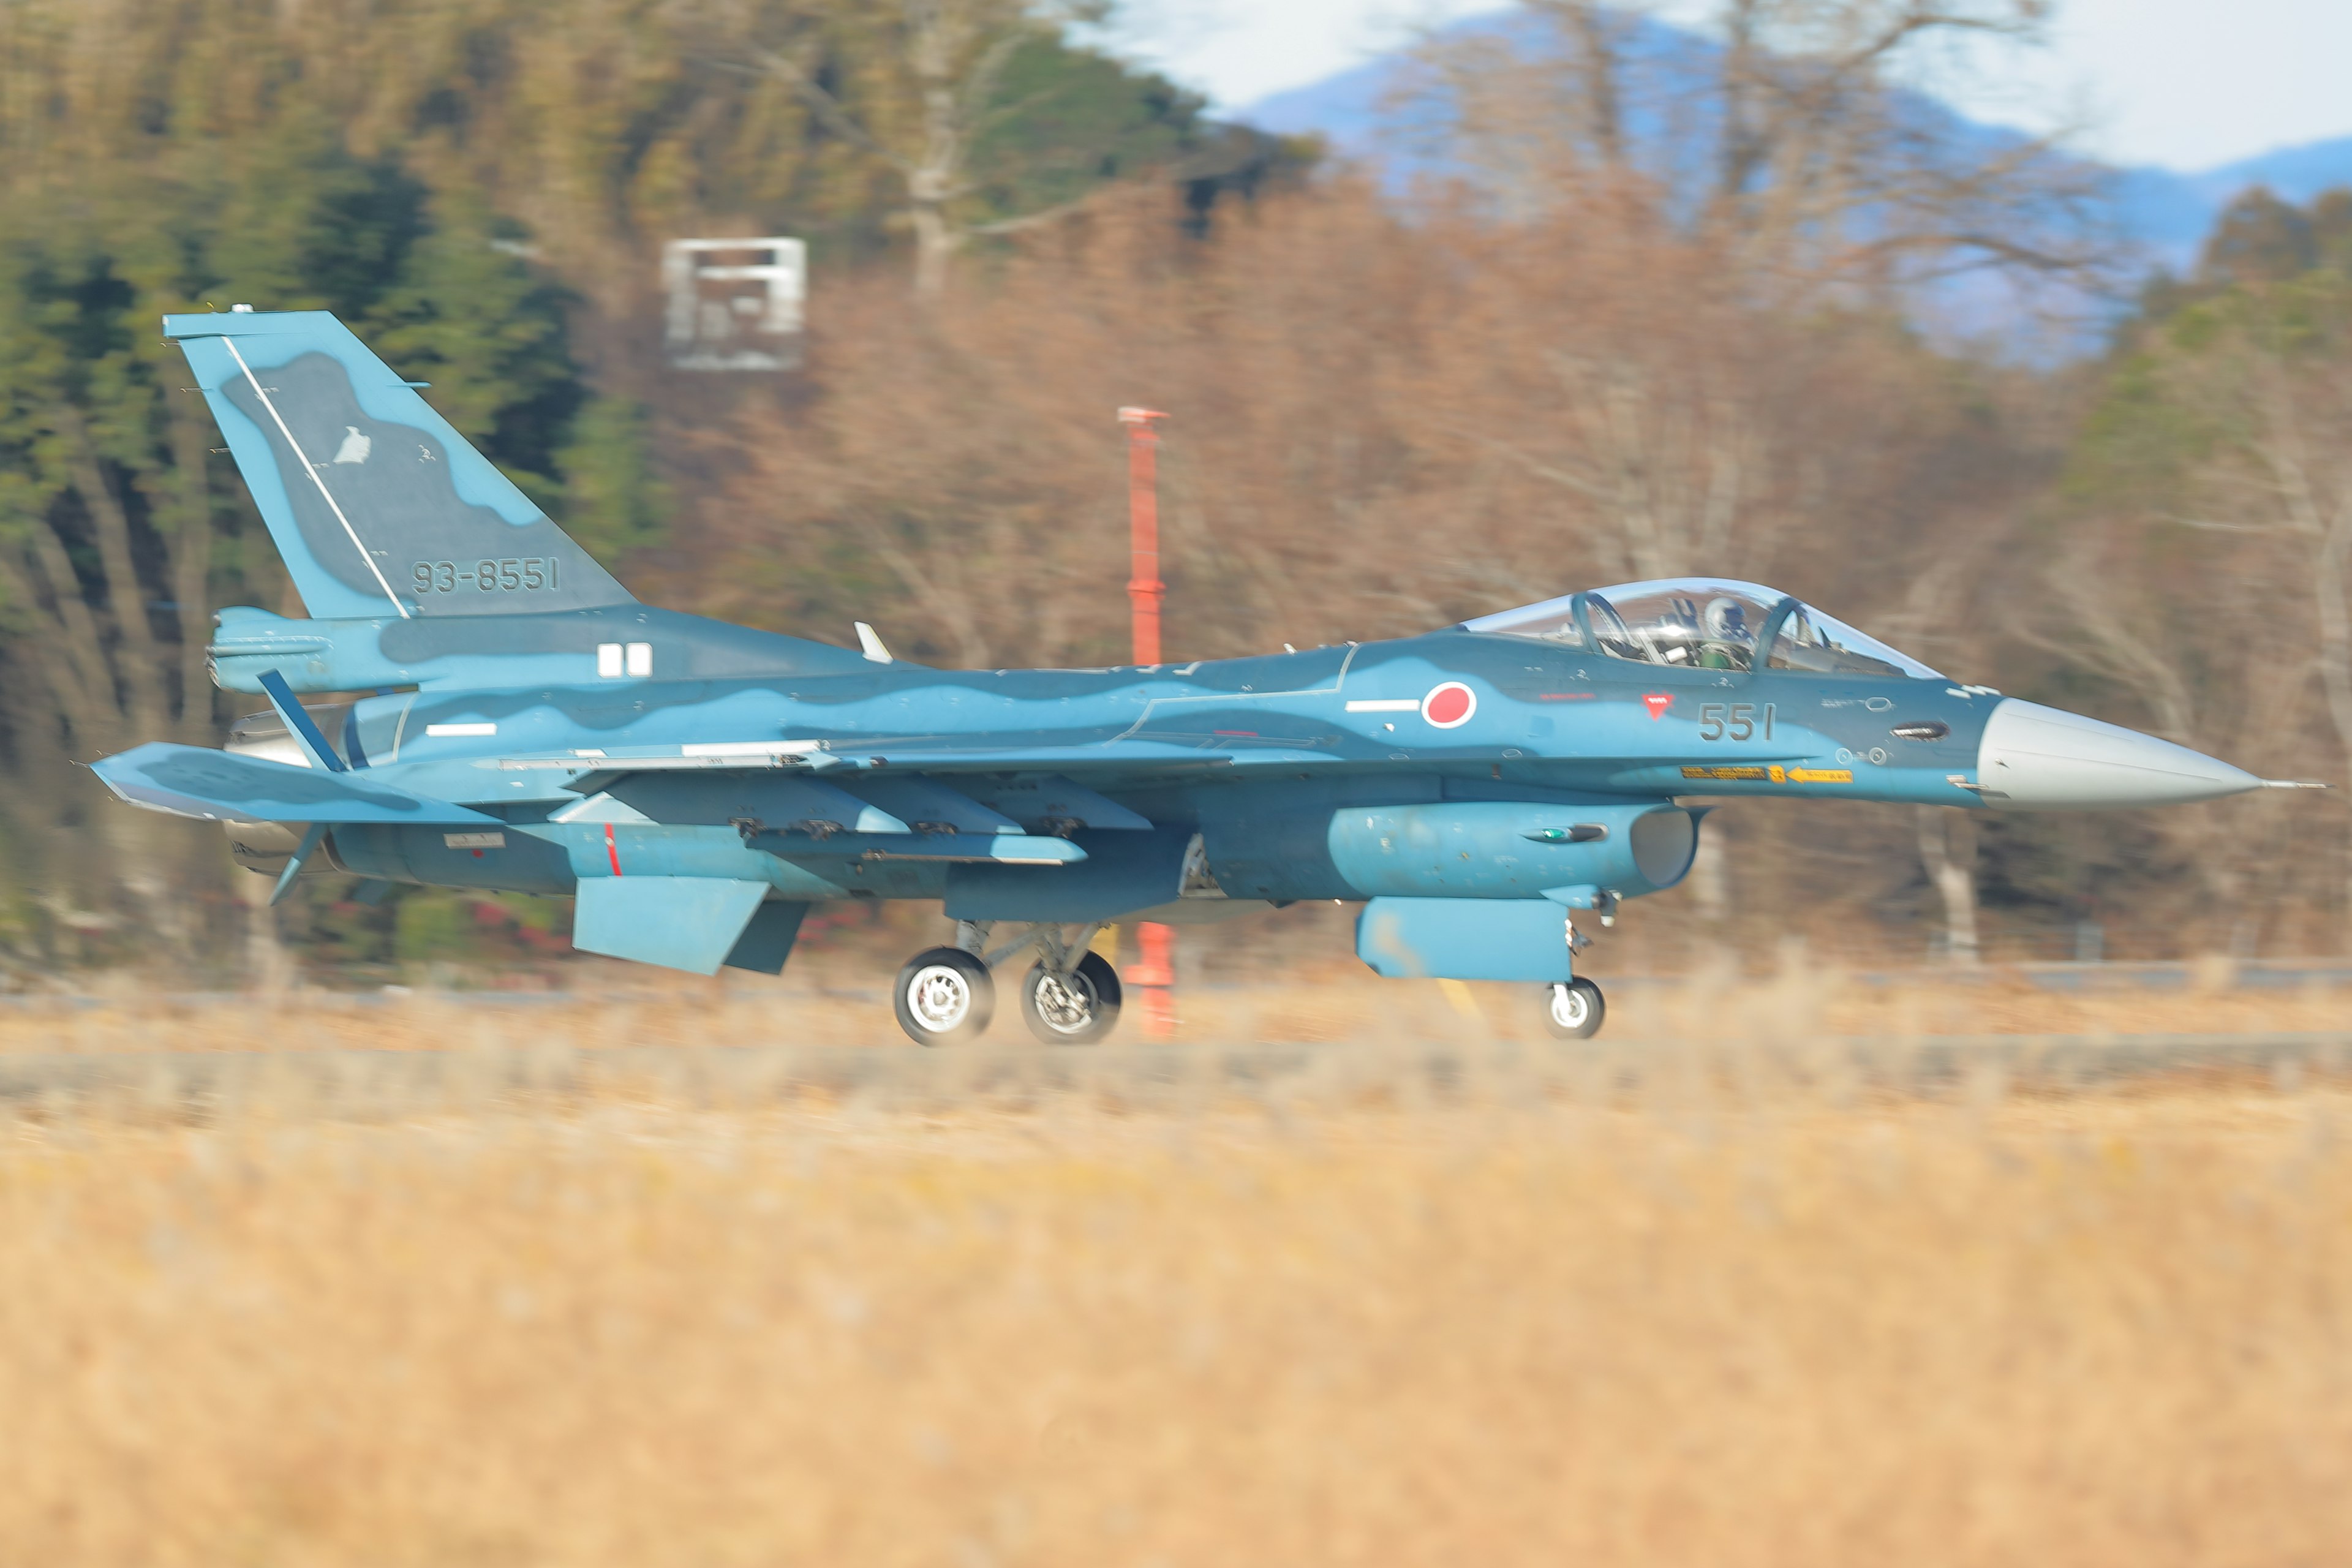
<point x="1553" y="621"/>
<point x="1694" y="623"/>
<point x="1811" y="641"/>
<point x="1703" y="623"/>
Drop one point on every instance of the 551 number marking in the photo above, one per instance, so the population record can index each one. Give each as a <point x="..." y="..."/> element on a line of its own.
<point x="515" y="574"/>
<point x="1732" y="721"/>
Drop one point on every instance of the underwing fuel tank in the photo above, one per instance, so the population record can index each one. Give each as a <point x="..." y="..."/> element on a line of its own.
<point x="1512" y="850"/>
<point x="2045" y="759"/>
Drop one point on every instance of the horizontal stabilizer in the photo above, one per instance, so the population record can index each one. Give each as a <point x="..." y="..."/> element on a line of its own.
<point x="679" y="922"/>
<point x="191" y="781"/>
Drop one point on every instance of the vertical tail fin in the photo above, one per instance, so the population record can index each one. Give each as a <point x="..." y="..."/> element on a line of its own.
<point x="379" y="507"/>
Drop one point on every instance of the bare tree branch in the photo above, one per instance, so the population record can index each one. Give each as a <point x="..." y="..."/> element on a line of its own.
<point x="828" y="108"/>
<point x="142" y="665"/>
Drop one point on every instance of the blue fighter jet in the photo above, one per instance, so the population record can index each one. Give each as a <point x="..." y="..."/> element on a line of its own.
<point x="695" y="785"/>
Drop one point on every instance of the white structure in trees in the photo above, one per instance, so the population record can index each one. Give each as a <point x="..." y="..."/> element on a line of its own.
<point x="734" y="304"/>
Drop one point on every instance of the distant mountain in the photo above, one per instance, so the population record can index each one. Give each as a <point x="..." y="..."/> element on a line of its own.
<point x="1347" y="110"/>
<point x="2167" y="211"/>
<point x="1361" y="114"/>
<point x="2171" y="213"/>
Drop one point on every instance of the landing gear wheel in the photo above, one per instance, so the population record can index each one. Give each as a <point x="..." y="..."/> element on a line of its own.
<point x="1077" y="1010"/>
<point x="1573" y="1011"/>
<point x="945" y="997"/>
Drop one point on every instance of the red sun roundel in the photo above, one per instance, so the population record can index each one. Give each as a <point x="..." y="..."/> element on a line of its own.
<point x="1449" y="706"/>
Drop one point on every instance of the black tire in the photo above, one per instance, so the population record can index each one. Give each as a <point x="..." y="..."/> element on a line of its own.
<point x="1573" y="1011"/>
<point x="1074" y="1013"/>
<point x="945" y="997"/>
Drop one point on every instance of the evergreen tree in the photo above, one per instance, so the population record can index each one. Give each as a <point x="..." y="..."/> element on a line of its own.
<point x="480" y="191"/>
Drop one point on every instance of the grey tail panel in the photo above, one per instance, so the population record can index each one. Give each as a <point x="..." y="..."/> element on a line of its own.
<point x="380" y="508"/>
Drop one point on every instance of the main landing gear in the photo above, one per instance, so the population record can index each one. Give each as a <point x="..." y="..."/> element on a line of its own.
<point x="947" y="995"/>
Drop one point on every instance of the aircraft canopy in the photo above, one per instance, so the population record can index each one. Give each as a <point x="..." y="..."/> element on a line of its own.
<point x="1705" y="623"/>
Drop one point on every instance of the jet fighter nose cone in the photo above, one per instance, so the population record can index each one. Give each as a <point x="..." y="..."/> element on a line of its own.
<point x="2046" y="758"/>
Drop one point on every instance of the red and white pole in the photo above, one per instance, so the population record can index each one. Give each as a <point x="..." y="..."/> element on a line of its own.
<point x="1155" y="972"/>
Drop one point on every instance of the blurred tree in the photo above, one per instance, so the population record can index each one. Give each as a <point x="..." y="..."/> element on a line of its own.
<point x="986" y="115"/>
<point x="1948" y="849"/>
<point x="1796" y="137"/>
<point x="2331" y="228"/>
<point x="2207" y="557"/>
<point x="116" y="534"/>
<point x="2259" y="240"/>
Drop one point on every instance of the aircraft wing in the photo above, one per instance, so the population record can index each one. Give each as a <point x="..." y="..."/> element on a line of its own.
<point x="929" y="754"/>
<point x="1128" y="757"/>
<point x="190" y="780"/>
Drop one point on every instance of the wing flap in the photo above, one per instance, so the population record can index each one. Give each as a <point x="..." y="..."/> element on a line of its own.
<point x="219" y="787"/>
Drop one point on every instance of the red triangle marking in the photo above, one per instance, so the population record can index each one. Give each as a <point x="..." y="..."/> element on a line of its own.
<point x="1657" y="702"/>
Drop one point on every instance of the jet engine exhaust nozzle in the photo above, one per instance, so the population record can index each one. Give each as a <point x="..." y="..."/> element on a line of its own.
<point x="2033" y="757"/>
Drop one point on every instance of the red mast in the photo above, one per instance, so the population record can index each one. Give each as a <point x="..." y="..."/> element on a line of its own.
<point x="1155" y="974"/>
<point x="1144" y="588"/>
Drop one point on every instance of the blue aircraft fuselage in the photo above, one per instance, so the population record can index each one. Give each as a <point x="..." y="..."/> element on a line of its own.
<point x="697" y="785"/>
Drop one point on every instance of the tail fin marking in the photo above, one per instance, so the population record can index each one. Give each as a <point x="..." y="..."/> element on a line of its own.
<point x="371" y="498"/>
<point x="327" y="495"/>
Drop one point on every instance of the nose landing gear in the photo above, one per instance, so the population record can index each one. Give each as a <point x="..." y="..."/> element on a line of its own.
<point x="1573" y="1008"/>
<point x="1573" y="1011"/>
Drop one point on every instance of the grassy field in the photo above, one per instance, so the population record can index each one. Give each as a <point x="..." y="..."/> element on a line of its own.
<point x="1704" y="1310"/>
<point x="625" y="1005"/>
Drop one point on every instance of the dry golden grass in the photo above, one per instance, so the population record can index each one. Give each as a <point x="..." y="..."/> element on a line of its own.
<point x="627" y="1005"/>
<point x="1685" y="1317"/>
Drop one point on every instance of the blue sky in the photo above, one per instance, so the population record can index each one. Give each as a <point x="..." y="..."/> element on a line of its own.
<point x="2183" y="83"/>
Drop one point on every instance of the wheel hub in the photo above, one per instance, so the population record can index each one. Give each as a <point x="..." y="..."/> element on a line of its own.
<point x="1065" y="1004"/>
<point x="939" y="997"/>
<point x="1569" y="1006"/>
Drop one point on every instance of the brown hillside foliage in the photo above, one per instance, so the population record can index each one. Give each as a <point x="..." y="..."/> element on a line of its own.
<point x="1378" y="427"/>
